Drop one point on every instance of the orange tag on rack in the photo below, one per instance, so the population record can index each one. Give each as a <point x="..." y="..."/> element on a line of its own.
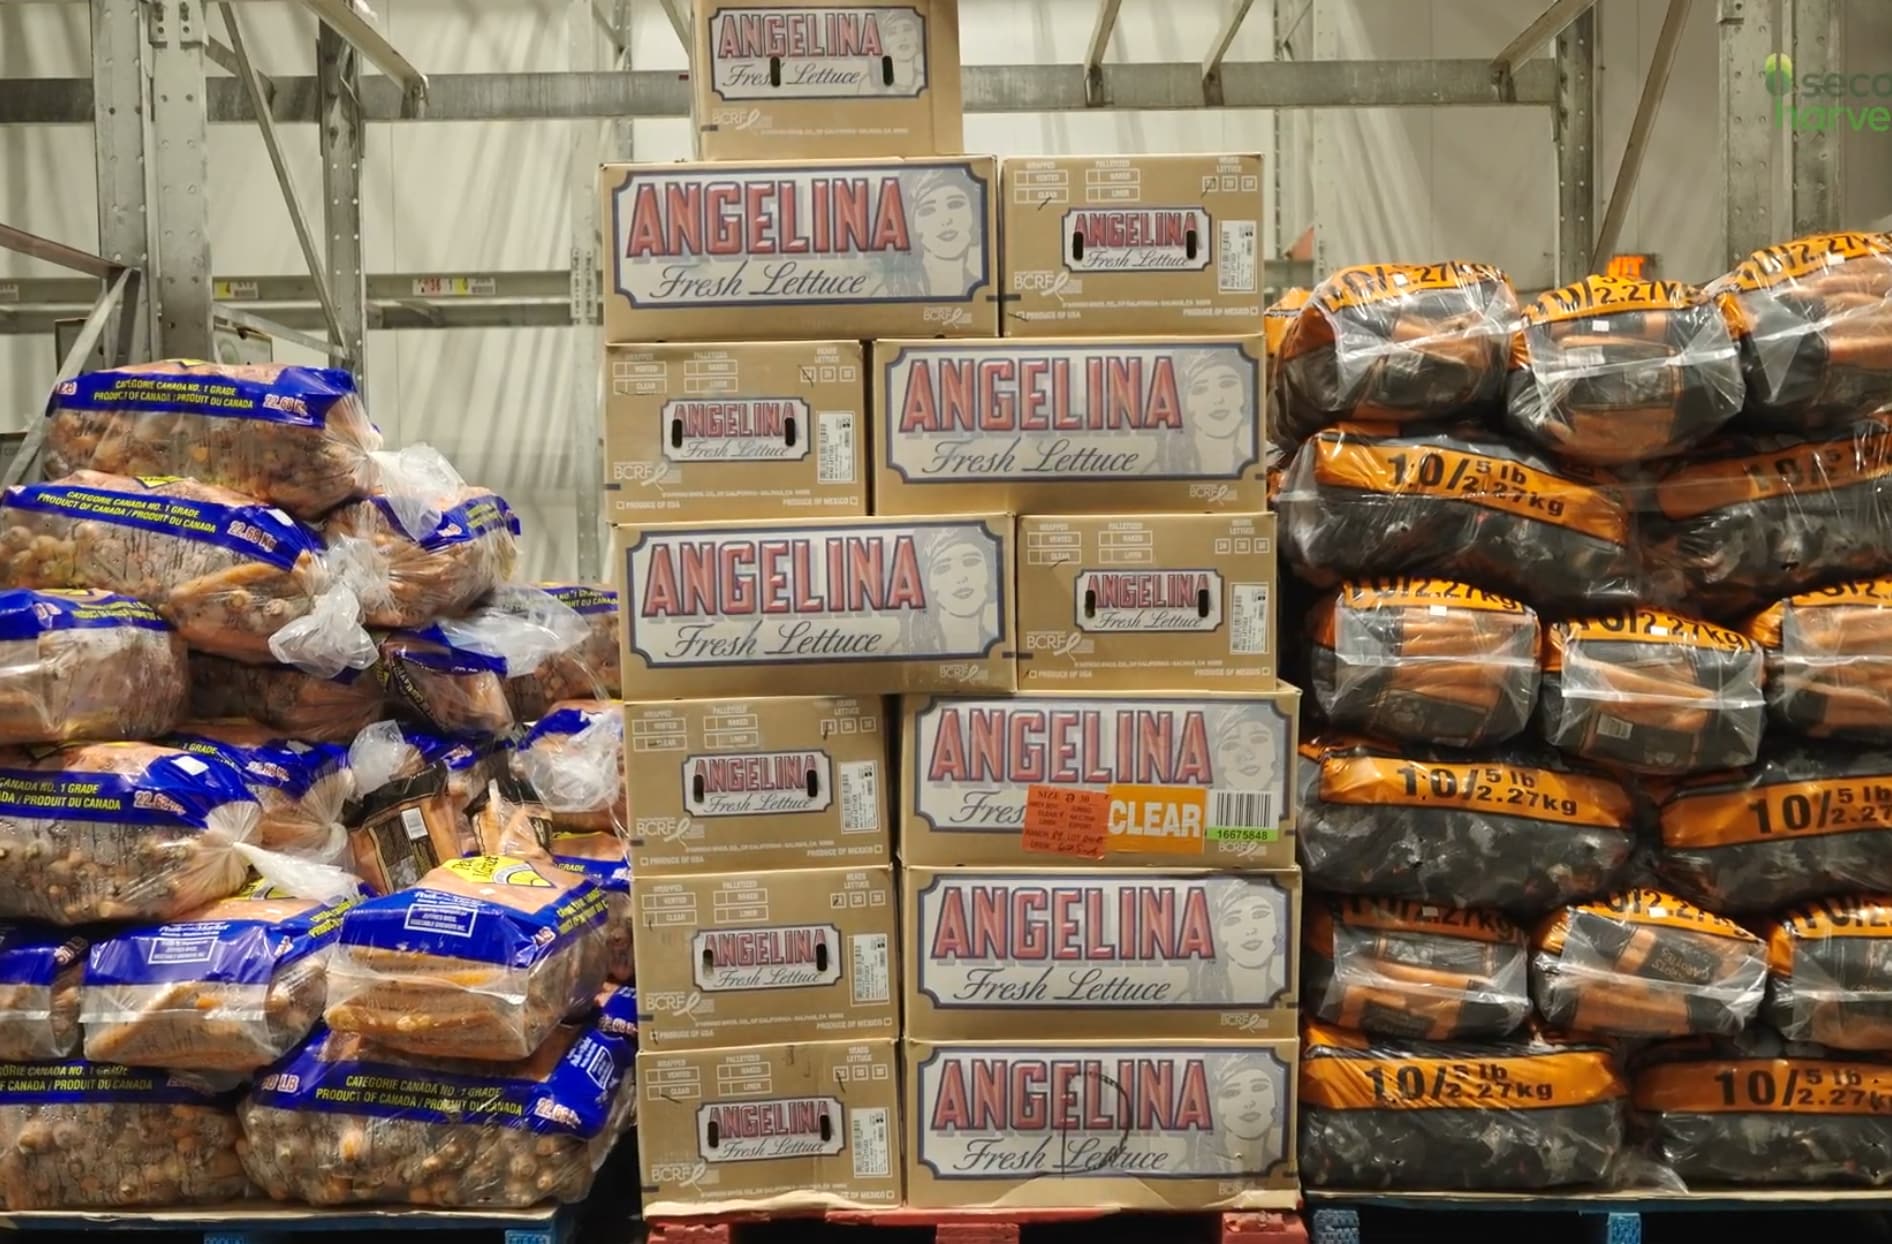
<point x="1158" y="820"/>
<point x="1063" y="820"/>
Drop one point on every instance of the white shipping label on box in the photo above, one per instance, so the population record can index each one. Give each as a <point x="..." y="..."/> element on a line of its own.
<point x="1053" y="427"/>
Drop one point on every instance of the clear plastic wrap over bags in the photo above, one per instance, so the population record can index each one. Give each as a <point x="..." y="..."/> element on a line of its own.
<point x="1402" y="969"/>
<point x="1276" y="318"/>
<point x="1652" y="692"/>
<point x="1829" y="660"/>
<point x="388" y="750"/>
<point x="1829" y="968"/>
<point x="1396" y="343"/>
<point x="1426" y="661"/>
<point x="230" y="987"/>
<point x="453" y="1135"/>
<point x="452" y="675"/>
<point x="235" y="577"/>
<point x="587" y="671"/>
<point x="1644" y="963"/>
<point x="295" y="437"/>
<point x="1747" y="520"/>
<point x="301" y="787"/>
<point x="1361" y="500"/>
<point x="1757" y="1110"/>
<point x="1520" y="829"/>
<point x="1814" y="317"/>
<point x="302" y="706"/>
<point x="439" y="543"/>
<point x="86" y="666"/>
<point x="1808" y="820"/>
<point x="120" y="831"/>
<point x="82" y="1135"/>
<point x="40" y="970"/>
<point x="574" y="759"/>
<point x="482" y="959"/>
<point x="514" y="821"/>
<point x="1612" y="372"/>
<point x="1530" y="1112"/>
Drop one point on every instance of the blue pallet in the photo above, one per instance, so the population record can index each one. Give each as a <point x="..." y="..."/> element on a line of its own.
<point x="265" y="1223"/>
<point x="1606" y="1217"/>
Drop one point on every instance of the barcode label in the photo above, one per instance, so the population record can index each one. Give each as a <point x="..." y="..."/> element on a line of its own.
<point x="873" y="970"/>
<point x="1250" y="621"/>
<point x="1614" y="727"/>
<point x="1242" y="816"/>
<point x="860" y="797"/>
<point x="873" y="1147"/>
<point x="836" y="462"/>
<point x="1235" y="266"/>
<point x="414" y="824"/>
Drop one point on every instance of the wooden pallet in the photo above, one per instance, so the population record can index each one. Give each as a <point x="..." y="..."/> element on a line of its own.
<point x="981" y="1227"/>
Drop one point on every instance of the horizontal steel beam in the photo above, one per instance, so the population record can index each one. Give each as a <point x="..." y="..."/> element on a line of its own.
<point x="987" y="88"/>
<point x="395" y="300"/>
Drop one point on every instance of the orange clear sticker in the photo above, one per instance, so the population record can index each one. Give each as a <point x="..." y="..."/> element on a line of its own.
<point x="1066" y="820"/>
<point x="1608" y="295"/>
<point x="1157" y="820"/>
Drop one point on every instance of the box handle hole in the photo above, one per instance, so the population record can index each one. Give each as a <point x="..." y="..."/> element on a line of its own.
<point x="788" y="431"/>
<point x="1202" y="602"/>
<point x="1189" y="244"/>
<point x="775" y="71"/>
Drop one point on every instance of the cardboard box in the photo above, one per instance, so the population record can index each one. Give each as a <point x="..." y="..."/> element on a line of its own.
<point x="1069" y="427"/>
<point x="1158" y="602"/>
<point x="813" y="1125"/>
<point x="750" y="958"/>
<point x="780" y="78"/>
<point x="967" y="765"/>
<point x="761" y="783"/>
<point x="756" y="430"/>
<point x="846" y="249"/>
<point x="1132" y="244"/>
<point x="1073" y="953"/>
<point x="846" y="605"/>
<point x="1101" y="1125"/>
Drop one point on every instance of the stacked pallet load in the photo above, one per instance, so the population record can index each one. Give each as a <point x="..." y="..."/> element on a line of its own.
<point x="1100" y="898"/>
<point x="186" y="866"/>
<point x="768" y="613"/>
<point x="1575" y="554"/>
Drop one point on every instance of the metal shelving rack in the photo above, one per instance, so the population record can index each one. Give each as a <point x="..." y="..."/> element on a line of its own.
<point x="151" y="97"/>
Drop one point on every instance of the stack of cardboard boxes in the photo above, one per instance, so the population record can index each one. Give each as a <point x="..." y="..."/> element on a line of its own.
<point x="1065" y="568"/>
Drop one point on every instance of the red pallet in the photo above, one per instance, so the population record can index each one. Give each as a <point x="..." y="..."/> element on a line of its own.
<point x="985" y="1227"/>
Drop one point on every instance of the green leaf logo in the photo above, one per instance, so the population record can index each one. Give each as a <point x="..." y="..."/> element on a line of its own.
<point x="1777" y="69"/>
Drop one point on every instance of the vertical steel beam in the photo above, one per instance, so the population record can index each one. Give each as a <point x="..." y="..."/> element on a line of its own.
<point x="1653" y="88"/>
<point x="285" y="182"/>
<point x="1574" y="132"/>
<point x="1817" y="164"/>
<point x="338" y="94"/>
<point x="118" y="126"/>
<point x="586" y="299"/>
<point x="1750" y="136"/>
<point x="180" y="128"/>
